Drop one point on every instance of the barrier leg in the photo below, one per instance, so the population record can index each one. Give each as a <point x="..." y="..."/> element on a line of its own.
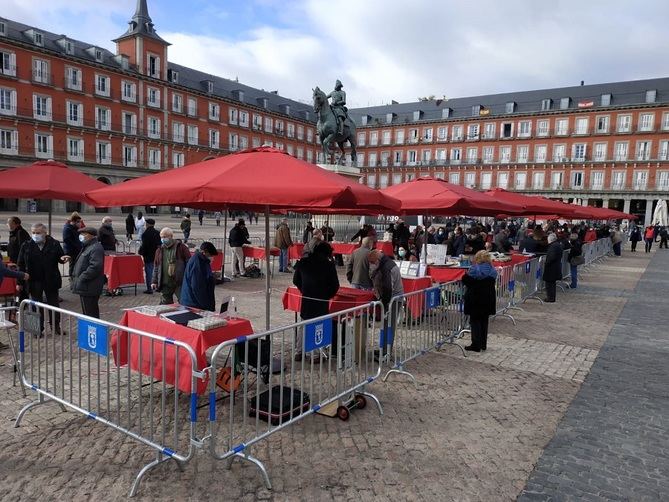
<point x="40" y="400"/>
<point x="504" y="314"/>
<point x="400" y="370"/>
<point x="376" y="399"/>
<point x="159" y="460"/>
<point x="259" y="465"/>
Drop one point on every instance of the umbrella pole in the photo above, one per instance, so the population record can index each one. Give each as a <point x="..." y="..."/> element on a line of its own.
<point x="50" y="211"/>
<point x="268" y="257"/>
<point x="225" y="247"/>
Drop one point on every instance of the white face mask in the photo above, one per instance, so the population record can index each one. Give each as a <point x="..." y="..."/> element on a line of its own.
<point x="82" y="238"/>
<point x="38" y="238"/>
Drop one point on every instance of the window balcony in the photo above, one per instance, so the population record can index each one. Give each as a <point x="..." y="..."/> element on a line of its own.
<point x="8" y="70"/>
<point x="39" y="77"/>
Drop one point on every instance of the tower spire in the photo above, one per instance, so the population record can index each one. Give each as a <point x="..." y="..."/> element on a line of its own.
<point x="141" y="24"/>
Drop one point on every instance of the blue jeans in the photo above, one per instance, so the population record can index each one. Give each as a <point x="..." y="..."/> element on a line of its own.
<point x="148" y="272"/>
<point x="617" y="248"/>
<point x="574" y="276"/>
<point x="283" y="260"/>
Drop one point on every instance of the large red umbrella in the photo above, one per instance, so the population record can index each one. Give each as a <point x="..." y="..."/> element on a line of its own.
<point x="537" y="205"/>
<point x="258" y="179"/>
<point x="440" y="198"/>
<point x="48" y="180"/>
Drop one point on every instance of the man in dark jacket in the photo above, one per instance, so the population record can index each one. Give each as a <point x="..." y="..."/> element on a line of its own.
<point x="147" y="250"/>
<point x="169" y="267"/>
<point x="239" y="235"/>
<point x="328" y="232"/>
<point x="40" y="257"/>
<point x="106" y="235"/>
<point x="552" y="267"/>
<point x="480" y="301"/>
<point x="459" y="242"/>
<point x="387" y="282"/>
<point x="88" y="274"/>
<point x="197" y="289"/>
<point x="129" y="226"/>
<point x="71" y="244"/>
<point x="401" y="236"/>
<point x="316" y="278"/>
<point x="17" y="236"/>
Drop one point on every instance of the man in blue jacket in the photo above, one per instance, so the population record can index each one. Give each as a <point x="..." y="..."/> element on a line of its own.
<point x="197" y="289"/>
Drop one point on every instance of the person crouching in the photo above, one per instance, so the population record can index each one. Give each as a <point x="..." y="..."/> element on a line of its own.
<point x="480" y="301"/>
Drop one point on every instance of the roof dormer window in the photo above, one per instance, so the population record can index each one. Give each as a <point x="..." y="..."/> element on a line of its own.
<point x="98" y="55"/>
<point x="69" y="47"/>
<point x="446" y="113"/>
<point x="210" y="86"/>
<point x="38" y="38"/>
<point x="3" y="29"/>
<point x="417" y="115"/>
<point x="510" y="107"/>
<point x="173" y="76"/>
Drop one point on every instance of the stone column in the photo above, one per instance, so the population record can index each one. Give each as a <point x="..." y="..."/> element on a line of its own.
<point x="649" y="212"/>
<point x="626" y="205"/>
<point x="584" y="202"/>
<point x="605" y="203"/>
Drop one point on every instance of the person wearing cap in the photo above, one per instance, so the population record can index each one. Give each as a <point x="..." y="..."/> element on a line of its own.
<point x="147" y="250"/>
<point x="88" y="278"/>
<point x="239" y="236"/>
<point x="197" y="289"/>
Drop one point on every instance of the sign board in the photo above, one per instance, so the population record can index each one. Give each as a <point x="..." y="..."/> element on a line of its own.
<point x="414" y="269"/>
<point x="31" y="323"/>
<point x="436" y="254"/>
<point x="432" y="297"/>
<point x="93" y="337"/>
<point x="404" y="267"/>
<point x="317" y="335"/>
<point x="586" y="104"/>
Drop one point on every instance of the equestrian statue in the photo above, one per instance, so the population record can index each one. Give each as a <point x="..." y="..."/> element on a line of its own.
<point x="334" y="124"/>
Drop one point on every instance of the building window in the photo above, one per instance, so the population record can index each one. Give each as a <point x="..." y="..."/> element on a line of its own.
<point x="154" y="158"/>
<point x="488" y="153"/>
<point x="173" y="76"/>
<point x="268" y="125"/>
<point x="663" y="151"/>
<point x="8" y="63"/>
<point x="129" y="123"/>
<point x="300" y="153"/>
<point x="665" y="121"/>
<point x="373" y="138"/>
<point x="361" y="138"/>
<point x="7" y="101"/>
<point x="599" y="152"/>
<point x="102" y="85"/>
<point x="597" y="180"/>
<point x="454" y="178"/>
<point x="538" y="180"/>
<point x="103" y="152"/>
<point x="489" y="131"/>
<point x="506" y="130"/>
<point x="153" y="97"/>
<point x="75" y="113"/>
<point x="178" y="132"/>
<point x="371" y="180"/>
<point x="510" y="107"/>
<point x="399" y="137"/>
<point x="564" y="103"/>
<point x="397" y="178"/>
<point x="643" y="150"/>
<point x="560" y="153"/>
<point x="427" y="134"/>
<point x="290" y="131"/>
<point x="3" y="29"/>
<point x="486" y="180"/>
<point x="578" y="152"/>
<point x="244" y="143"/>
<point x="472" y="155"/>
<point x="520" y="180"/>
<point x="41" y="71"/>
<point x="476" y="110"/>
<point x="503" y="180"/>
<point x="102" y="118"/>
<point x="472" y="131"/>
<point x="646" y="121"/>
<point x="556" y="180"/>
<point x="640" y="180"/>
<point x="257" y="122"/>
<point x="524" y="129"/>
<point x="192" y="135"/>
<point x="214" y="111"/>
<point x="41" y="107"/>
<point x="233" y="142"/>
<point x="456" y="155"/>
<point x="662" y="178"/>
<point x="9" y="141"/>
<point x="540" y="153"/>
<point x="278" y="127"/>
<point x="98" y="55"/>
<point x="300" y="132"/>
<point x="243" y="119"/>
<point x="542" y="127"/>
<point x="233" y="116"/>
<point x="606" y="100"/>
<point x="385" y="159"/>
<point x="129" y="156"/>
<point x="192" y="107"/>
<point x="154" y="128"/>
<point x="129" y="91"/>
<point x="546" y="104"/>
<point x="153" y="66"/>
<point x="621" y="149"/>
<point x="577" y="179"/>
<point x="651" y="96"/>
<point x="256" y="143"/>
<point x="413" y="135"/>
<point x="360" y="161"/>
<point x="522" y="154"/>
<point x="603" y="124"/>
<point x="505" y="154"/>
<point x="624" y="123"/>
<point x="442" y="133"/>
<point x="178" y="159"/>
<point x="470" y="179"/>
<point x="397" y="159"/>
<point x="37" y="38"/>
<point x="581" y="125"/>
<point x="73" y="78"/>
<point x="562" y="127"/>
<point x="213" y="138"/>
<point x="386" y="137"/>
<point x="456" y="133"/>
<point x="177" y="103"/>
<point x="310" y="156"/>
<point x="618" y="180"/>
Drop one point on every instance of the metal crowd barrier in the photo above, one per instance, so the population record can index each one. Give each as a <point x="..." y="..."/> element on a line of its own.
<point x="8" y="322"/>
<point x="422" y="321"/>
<point x="526" y="281"/>
<point x="505" y="286"/>
<point x="565" y="270"/>
<point x="340" y="356"/>
<point x="92" y="367"/>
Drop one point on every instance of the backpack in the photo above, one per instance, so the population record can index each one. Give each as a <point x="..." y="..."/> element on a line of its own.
<point x="253" y="272"/>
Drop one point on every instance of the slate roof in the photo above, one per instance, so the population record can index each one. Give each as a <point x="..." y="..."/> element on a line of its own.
<point x="631" y="92"/>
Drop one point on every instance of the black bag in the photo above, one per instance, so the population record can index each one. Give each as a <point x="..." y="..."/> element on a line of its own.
<point x="252" y="271"/>
<point x="260" y="406"/>
<point x="577" y="260"/>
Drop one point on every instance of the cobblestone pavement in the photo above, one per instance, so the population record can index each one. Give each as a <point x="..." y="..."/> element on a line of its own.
<point x="474" y="430"/>
<point x="613" y="442"/>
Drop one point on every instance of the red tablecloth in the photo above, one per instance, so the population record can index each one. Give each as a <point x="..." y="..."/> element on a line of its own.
<point x="295" y="251"/>
<point x="8" y="287"/>
<point x="123" y="270"/>
<point x="200" y="341"/>
<point x="217" y="262"/>
<point x="515" y="259"/>
<point x="416" y="303"/>
<point x="258" y="252"/>
<point x="343" y="247"/>
<point x="445" y="274"/>
<point x="386" y="247"/>
<point x="345" y="298"/>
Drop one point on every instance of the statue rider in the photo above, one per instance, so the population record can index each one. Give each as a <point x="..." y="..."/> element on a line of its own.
<point x="338" y="105"/>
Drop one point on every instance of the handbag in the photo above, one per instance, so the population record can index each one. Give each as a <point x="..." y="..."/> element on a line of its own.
<point x="577" y="260"/>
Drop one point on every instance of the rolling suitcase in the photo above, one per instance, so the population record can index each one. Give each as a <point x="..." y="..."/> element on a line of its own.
<point x="273" y="412"/>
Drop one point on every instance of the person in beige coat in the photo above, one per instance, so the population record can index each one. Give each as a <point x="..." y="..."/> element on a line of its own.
<point x="283" y="241"/>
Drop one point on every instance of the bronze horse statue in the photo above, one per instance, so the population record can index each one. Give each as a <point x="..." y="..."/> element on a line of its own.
<point x="327" y="129"/>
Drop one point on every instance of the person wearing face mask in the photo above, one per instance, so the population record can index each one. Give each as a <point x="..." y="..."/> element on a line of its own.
<point x="106" y="234"/>
<point x="40" y="257"/>
<point x="440" y="237"/>
<point x="169" y="266"/>
<point x="71" y="244"/>
<point x="88" y="274"/>
<point x="150" y="243"/>
<point x="198" y="285"/>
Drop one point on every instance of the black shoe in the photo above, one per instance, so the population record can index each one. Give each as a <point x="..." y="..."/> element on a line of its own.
<point x="483" y="348"/>
<point x="148" y="292"/>
<point x="472" y="348"/>
<point x="546" y="300"/>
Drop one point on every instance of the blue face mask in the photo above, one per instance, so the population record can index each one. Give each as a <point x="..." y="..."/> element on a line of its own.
<point x="82" y="238"/>
<point x="165" y="240"/>
<point x="38" y="238"/>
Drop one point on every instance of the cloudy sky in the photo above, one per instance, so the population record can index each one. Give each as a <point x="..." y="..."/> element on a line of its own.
<point x="385" y="50"/>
